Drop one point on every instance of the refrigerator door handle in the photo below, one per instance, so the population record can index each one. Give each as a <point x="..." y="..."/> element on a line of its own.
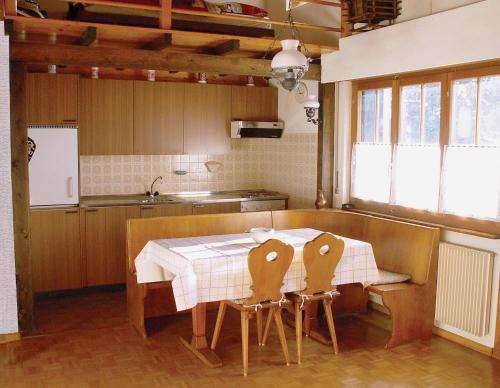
<point x="70" y="187"/>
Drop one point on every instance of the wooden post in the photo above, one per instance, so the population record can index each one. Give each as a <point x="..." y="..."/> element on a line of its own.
<point x="10" y="7"/>
<point x="166" y="14"/>
<point x="20" y="194"/>
<point x="325" y="141"/>
<point x="345" y="24"/>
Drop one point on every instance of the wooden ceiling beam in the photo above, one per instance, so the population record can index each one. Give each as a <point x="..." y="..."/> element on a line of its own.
<point x="144" y="59"/>
<point x="227" y="47"/>
<point x="160" y="43"/>
<point x="88" y="38"/>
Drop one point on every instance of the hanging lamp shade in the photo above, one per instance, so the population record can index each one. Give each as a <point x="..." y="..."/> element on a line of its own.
<point x="289" y="65"/>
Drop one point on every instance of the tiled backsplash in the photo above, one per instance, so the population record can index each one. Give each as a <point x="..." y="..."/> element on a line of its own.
<point x="287" y="165"/>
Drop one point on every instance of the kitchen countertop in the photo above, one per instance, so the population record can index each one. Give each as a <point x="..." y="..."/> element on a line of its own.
<point x="181" y="198"/>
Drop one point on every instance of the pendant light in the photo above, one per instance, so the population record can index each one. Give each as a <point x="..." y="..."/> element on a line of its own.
<point x="290" y="64"/>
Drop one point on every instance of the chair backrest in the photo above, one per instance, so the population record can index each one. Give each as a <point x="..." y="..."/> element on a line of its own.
<point x="321" y="257"/>
<point x="268" y="264"/>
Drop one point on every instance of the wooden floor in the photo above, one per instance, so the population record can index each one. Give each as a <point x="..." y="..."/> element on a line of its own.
<point x="85" y="340"/>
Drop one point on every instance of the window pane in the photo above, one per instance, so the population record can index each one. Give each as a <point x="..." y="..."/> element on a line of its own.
<point x="371" y="172"/>
<point x="489" y="111"/>
<point x="471" y="181"/>
<point x="416" y="177"/>
<point x="384" y="115"/>
<point x="368" y="114"/>
<point x="432" y="112"/>
<point x="464" y="111"/>
<point x="410" y="115"/>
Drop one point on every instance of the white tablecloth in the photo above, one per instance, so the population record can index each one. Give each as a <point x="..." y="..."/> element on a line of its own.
<point x="214" y="268"/>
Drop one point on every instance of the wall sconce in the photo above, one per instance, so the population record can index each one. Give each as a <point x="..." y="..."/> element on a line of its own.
<point x="311" y="105"/>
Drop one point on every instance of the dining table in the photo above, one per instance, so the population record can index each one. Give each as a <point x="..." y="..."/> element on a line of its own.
<point x="214" y="268"/>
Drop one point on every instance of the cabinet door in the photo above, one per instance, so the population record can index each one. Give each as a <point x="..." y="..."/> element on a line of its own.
<point x="166" y="210"/>
<point x="55" y="250"/>
<point x="105" y="244"/>
<point x="254" y="103"/>
<point x="213" y="208"/>
<point x="51" y="98"/>
<point x="158" y="118"/>
<point x="207" y="119"/>
<point x="106" y="117"/>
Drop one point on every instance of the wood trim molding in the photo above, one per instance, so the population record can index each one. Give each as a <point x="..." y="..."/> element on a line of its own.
<point x="144" y="59"/>
<point x="10" y="337"/>
<point x="20" y="195"/>
<point x="326" y="141"/>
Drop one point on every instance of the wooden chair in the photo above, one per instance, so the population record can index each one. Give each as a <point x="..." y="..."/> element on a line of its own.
<point x="268" y="264"/>
<point x="321" y="256"/>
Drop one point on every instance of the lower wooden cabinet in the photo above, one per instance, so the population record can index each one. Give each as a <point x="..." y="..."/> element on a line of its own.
<point x="166" y="210"/>
<point x="214" y="208"/>
<point x="55" y="250"/>
<point x="105" y="243"/>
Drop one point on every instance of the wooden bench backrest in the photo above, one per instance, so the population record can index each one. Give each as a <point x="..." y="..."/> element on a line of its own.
<point x="140" y="231"/>
<point x="398" y="246"/>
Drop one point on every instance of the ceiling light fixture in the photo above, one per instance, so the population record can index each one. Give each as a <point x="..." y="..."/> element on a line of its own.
<point x="290" y="64"/>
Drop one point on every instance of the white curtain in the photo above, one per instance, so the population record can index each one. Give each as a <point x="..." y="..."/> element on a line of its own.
<point x="371" y="170"/>
<point x="471" y="181"/>
<point x="417" y="172"/>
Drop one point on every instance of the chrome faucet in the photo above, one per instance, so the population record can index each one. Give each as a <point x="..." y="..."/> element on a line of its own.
<point x="151" y="191"/>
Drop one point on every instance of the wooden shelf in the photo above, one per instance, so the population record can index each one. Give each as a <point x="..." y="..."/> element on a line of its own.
<point x="56" y="31"/>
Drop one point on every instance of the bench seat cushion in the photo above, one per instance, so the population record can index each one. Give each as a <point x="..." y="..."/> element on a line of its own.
<point x="387" y="277"/>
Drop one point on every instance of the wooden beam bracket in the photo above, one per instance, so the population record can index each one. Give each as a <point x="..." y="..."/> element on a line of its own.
<point x="160" y="43"/>
<point x="227" y="47"/>
<point x="88" y="38"/>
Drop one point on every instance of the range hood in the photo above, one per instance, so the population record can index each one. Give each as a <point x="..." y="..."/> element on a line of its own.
<point x="272" y="129"/>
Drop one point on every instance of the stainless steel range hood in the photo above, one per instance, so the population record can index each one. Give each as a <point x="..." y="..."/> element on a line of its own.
<point x="272" y="129"/>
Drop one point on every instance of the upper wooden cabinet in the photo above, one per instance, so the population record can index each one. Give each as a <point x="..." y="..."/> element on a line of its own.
<point x="254" y="103"/>
<point x="106" y="117"/>
<point x="158" y="118"/>
<point x="55" y="249"/>
<point x="52" y="98"/>
<point x="207" y="119"/>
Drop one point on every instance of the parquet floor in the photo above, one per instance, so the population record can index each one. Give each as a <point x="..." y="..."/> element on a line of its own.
<point x="85" y="341"/>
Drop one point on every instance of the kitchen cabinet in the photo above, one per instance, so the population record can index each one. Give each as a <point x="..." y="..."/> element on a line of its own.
<point x="105" y="243"/>
<point x="214" y="208"/>
<point x="254" y="103"/>
<point x="106" y="117"/>
<point x="55" y="249"/>
<point x="207" y="119"/>
<point x="51" y="98"/>
<point x="158" y="118"/>
<point x="148" y="211"/>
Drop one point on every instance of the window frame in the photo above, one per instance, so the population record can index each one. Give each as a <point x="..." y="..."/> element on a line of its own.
<point x="446" y="77"/>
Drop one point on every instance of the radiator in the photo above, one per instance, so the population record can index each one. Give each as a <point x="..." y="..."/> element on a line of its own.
<point x="464" y="288"/>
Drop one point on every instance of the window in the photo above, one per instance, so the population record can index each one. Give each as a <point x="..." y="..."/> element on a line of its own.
<point x="471" y="170"/>
<point x="440" y="158"/>
<point x="418" y="155"/>
<point x="371" y="160"/>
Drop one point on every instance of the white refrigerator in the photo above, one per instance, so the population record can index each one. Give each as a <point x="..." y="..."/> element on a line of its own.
<point x="53" y="165"/>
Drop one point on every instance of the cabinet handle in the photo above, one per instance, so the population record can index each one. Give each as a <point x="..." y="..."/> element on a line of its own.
<point x="71" y="211"/>
<point x="70" y="187"/>
<point x="198" y="206"/>
<point x="91" y="210"/>
<point x="69" y="121"/>
<point x="146" y="207"/>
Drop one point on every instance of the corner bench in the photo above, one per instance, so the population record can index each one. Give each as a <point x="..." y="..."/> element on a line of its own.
<point x="398" y="247"/>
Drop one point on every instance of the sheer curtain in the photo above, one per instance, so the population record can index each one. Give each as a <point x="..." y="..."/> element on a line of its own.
<point x="471" y="181"/>
<point x="417" y="173"/>
<point x="371" y="171"/>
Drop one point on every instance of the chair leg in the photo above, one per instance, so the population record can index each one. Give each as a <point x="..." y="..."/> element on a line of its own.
<point x="281" y="332"/>
<point x="298" y="331"/>
<point x="327" y="304"/>
<point x="307" y="319"/>
<point x="268" y="326"/>
<point x="259" y="326"/>
<point x="244" y="340"/>
<point x="218" y="324"/>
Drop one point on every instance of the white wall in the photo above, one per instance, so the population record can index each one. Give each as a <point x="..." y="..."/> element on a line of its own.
<point x="413" y="9"/>
<point x="462" y="35"/>
<point x="292" y="112"/>
<point x="8" y="301"/>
